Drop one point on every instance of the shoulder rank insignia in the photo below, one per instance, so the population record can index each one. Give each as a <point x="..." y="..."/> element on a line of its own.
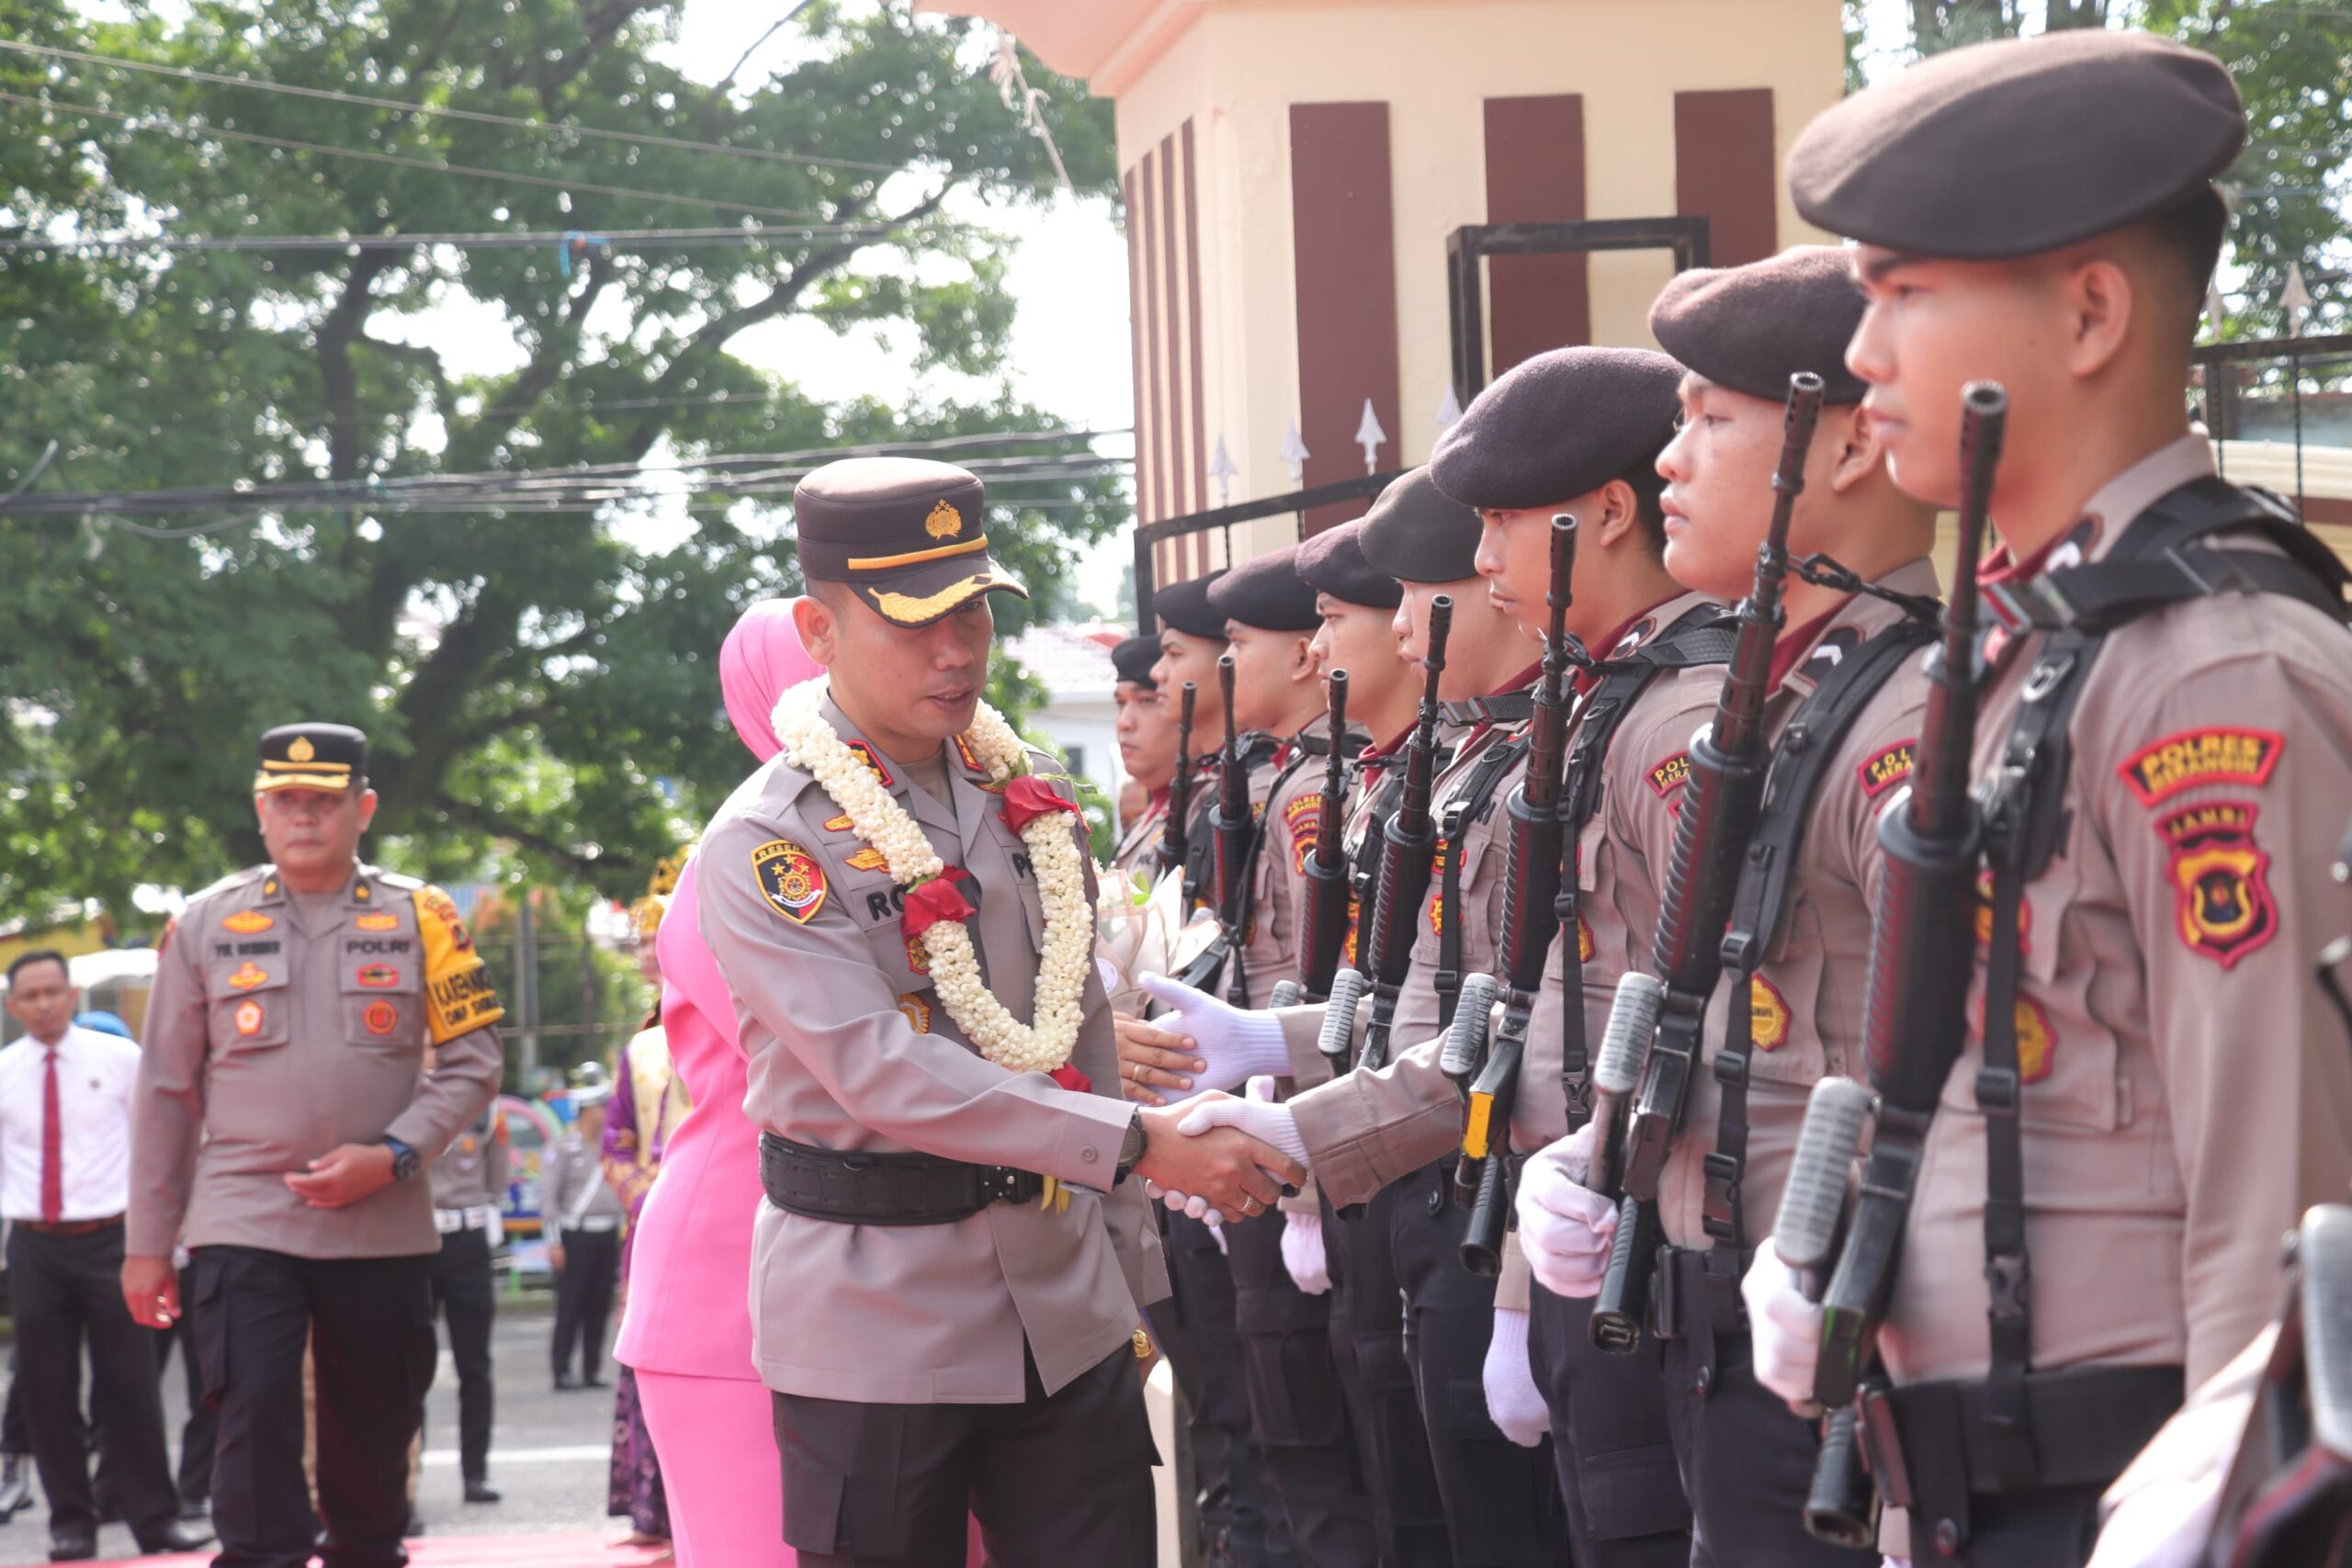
<point x="248" y="975"/>
<point x="2221" y="880"/>
<point x="2158" y="772"/>
<point x="873" y="759"/>
<point x="1671" y="775"/>
<point x="1767" y="1015"/>
<point x="245" y="922"/>
<point x="1884" y="770"/>
<point x="916" y="1010"/>
<point x="791" y="879"/>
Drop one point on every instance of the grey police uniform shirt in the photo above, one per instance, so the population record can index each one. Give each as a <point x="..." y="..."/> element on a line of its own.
<point x="850" y="1048"/>
<point x="471" y="1172"/>
<point x="273" y="1039"/>
<point x="574" y="1193"/>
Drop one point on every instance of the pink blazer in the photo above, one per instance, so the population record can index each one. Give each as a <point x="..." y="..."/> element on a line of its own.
<point x="689" y="1312"/>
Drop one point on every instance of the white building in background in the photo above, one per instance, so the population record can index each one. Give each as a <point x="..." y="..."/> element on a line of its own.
<point x="1073" y="663"/>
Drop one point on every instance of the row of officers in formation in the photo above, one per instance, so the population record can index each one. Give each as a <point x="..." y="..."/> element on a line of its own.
<point x="1741" y="1061"/>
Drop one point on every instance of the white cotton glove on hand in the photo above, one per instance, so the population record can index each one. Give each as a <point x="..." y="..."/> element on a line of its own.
<point x="1234" y="1043"/>
<point x="1184" y="1203"/>
<point x="1513" y="1402"/>
<point x="1303" y="1253"/>
<point x="1785" y="1328"/>
<point x="1565" y="1228"/>
<point x="1258" y="1116"/>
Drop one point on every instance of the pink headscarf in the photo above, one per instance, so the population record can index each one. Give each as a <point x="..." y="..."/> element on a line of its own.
<point x="762" y="660"/>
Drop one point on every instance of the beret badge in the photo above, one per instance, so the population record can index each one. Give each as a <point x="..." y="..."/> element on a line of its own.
<point x="301" y="751"/>
<point x="944" y="522"/>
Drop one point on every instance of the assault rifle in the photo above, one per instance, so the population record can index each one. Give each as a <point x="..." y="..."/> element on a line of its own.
<point x="1531" y="924"/>
<point x="1173" y="836"/>
<point x="1727" y="761"/>
<point x="1923" y="939"/>
<point x="1407" y="841"/>
<point x="1325" y="918"/>
<point x="1235" y="826"/>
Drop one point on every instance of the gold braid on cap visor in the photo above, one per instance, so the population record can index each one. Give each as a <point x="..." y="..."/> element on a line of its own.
<point x="908" y="610"/>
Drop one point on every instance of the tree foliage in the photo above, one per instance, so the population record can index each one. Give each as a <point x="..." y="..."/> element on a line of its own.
<point x="541" y="682"/>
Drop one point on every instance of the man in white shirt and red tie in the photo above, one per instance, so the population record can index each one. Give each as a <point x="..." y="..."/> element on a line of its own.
<point x="65" y="1183"/>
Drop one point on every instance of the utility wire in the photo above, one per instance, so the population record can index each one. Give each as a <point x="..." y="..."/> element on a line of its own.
<point x="604" y="239"/>
<point x="146" y="122"/>
<point x="263" y="85"/>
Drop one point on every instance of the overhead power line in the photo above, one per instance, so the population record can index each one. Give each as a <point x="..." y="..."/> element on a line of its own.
<point x="521" y="240"/>
<point x="549" y="182"/>
<point x="263" y="85"/>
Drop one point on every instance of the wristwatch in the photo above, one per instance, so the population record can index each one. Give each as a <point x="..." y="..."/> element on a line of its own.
<point x="404" y="1158"/>
<point x="1130" y="1148"/>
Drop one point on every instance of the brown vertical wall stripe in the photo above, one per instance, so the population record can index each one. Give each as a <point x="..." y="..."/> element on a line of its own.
<point x="1172" y="332"/>
<point x="1725" y="167"/>
<point x="1535" y="175"/>
<point x="1155" y="301"/>
<point x="1195" y="330"/>
<point x="1342" y="228"/>
<point x="1139" y="324"/>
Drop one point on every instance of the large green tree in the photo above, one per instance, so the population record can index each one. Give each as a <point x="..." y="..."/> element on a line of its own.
<point x="540" y="682"/>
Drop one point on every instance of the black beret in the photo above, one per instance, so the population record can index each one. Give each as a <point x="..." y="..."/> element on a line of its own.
<point x="909" y="535"/>
<point x="2020" y="146"/>
<point x="1333" y="562"/>
<point x="311" y="756"/>
<point x="1133" y="659"/>
<point x="1559" y="426"/>
<point x="1415" y="534"/>
<point x="1185" y="606"/>
<point x="1750" y="328"/>
<point x="1267" y="593"/>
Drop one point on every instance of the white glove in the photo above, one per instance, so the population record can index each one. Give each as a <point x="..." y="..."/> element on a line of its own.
<point x="1513" y="1402"/>
<point x="1261" y="1118"/>
<point x="1565" y="1228"/>
<point x="1303" y="1252"/>
<point x="2160" y="1510"/>
<point x="1784" y="1326"/>
<point x="2161" y="1527"/>
<point x="1234" y="1042"/>
<point x="1182" y="1203"/>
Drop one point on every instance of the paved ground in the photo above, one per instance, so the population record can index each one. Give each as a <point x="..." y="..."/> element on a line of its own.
<point x="548" y="1456"/>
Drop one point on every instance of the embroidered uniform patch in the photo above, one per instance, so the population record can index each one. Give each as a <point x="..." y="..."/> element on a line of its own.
<point x="1303" y="817"/>
<point x="1437" y="898"/>
<point x="868" y="859"/>
<point x="247" y="976"/>
<point x="381" y="1018"/>
<point x="2157" y="773"/>
<point x="791" y="879"/>
<point x="2037" y="1041"/>
<point x="841" y="824"/>
<point x="868" y="755"/>
<point x="1767" y="1015"/>
<point x="1884" y="770"/>
<point x="1984" y="917"/>
<point x="379" y="976"/>
<point x="1585" y="948"/>
<point x="917" y="959"/>
<point x="249" y="1017"/>
<point x="1671" y="775"/>
<point x="2221" y="880"/>
<point x="916" y="1010"/>
<point x="376" y="923"/>
<point x="245" y="922"/>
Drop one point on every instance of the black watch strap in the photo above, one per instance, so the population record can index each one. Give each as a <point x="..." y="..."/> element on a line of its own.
<point x="405" y="1161"/>
<point x="1131" y="1147"/>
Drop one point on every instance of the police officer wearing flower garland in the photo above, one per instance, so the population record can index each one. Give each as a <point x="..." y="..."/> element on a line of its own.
<point x="948" y="1271"/>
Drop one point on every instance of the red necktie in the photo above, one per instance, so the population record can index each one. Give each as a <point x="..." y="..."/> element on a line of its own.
<point x="52" y="1147"/>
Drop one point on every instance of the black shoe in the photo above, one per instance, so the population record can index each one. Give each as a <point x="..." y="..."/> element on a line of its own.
<point x="593" y="1380"/>
<point x="72" y="1548"/>
<point x="16" y="1484"/>
<point x="565" y="1383"/>
<point x="179" y="1536"/>
<point x="415" y="1522"/>
<point x="195" y="1510"/>
<point x="480" y="1492"/>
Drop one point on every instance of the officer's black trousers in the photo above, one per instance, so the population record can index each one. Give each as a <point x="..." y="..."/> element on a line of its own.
<point x="1296" y="1408"/>
<point x="1502" y="1501"/>
<point x="1368" y="1346"/>
<point x="583" y="1298"/>
<point x="1241" y="1517"/>
<point x="2054" y="1527"/>
<point x="198" y="1438"/>
<point x="1611" y="1442"/>
<point x="1055" y="1481"/>
<point x="65" y="1292"/>
<point x="369" y="1325"/>
<point x="466" y="1294"/>
<point x="1747" y="1461"/>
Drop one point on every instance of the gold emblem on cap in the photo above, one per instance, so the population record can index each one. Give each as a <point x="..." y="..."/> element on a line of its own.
<point x="301" y="751"/>
<point x="944" y="522"/>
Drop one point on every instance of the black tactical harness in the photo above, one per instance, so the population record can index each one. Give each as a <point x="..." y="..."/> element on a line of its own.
<point x="1474" y="802"/>
<point x="1200" y="871"/>
<point x="1701" y="634"/>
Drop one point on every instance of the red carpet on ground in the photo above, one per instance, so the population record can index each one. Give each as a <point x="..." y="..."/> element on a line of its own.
<point x="480" y="1552"/>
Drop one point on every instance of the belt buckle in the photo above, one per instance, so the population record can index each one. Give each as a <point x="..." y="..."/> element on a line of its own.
<point x="1882" y="1439"/>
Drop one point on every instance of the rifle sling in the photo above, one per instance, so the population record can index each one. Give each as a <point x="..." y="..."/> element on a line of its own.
<point x="1474" y="802"/>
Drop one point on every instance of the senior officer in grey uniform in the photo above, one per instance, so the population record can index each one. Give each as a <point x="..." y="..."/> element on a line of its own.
<point x="948" y="1272"/>
<point x="282" y="1118"/>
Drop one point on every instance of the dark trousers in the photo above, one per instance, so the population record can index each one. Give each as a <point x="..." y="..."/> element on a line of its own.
<point x="13" y="1438"/>
<point x="1610" y="1441"/>
<point x="66" y="1292"/>
<point x="583" y="1298"/>
<point x="463" y="1293"/>
<point x="1747" y="1461"/>
<point x="368" y="1322"/>
<point x="1056" y="1480"/>
<point x="199" y="1436"/>
<point x="1502" y="1501"/>
<point x="1241" y="1519"/>
<point x="1375" y="1373"/>
<point x="1296" y="1408"/>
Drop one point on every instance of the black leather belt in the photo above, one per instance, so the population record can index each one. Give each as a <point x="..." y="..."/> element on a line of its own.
<point x="886" y="1189"/>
